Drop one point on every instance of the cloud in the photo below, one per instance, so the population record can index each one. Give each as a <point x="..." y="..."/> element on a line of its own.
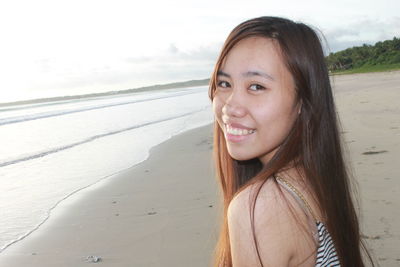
<point x="172" y="64"/>
<point x="173" y="49"/>
<point x="175" y="64"/>
<point x="174" y="53"/>
<point x="365" y="31"/>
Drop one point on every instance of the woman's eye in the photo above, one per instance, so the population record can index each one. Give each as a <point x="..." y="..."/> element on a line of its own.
<point x="256" y="87"/>
<point x="223" y="84"/>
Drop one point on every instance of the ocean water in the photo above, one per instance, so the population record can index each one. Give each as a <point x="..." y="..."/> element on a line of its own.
<point x="49" y="151"/>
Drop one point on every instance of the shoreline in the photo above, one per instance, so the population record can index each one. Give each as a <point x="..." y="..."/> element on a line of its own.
<point x="117" y="93"/>
<point x="153" y="214"/>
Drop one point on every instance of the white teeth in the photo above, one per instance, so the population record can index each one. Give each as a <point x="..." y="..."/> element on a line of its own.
<point x="236" y="131"/>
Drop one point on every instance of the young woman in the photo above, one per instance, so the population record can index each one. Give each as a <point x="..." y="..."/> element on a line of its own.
<point x="278" y="155"/>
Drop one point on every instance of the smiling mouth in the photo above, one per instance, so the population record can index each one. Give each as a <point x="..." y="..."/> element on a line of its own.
<point x="237" y="131"/>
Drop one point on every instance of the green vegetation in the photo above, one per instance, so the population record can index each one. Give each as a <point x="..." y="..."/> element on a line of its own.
<point x="383" y="56"/>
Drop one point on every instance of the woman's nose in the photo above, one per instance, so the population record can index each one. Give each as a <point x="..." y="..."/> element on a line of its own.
<point x="234" y="106"/>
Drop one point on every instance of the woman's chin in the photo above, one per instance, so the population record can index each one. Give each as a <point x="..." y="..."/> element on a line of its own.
<point x="240" y="157"/>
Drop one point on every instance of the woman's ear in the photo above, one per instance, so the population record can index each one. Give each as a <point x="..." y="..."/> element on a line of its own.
<point x="300" y="105"/>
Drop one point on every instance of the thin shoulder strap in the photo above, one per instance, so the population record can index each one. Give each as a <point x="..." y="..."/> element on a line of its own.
<point x="297" y="195"/>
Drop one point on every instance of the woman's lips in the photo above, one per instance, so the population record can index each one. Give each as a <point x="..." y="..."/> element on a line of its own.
<point x="238" y="126"/>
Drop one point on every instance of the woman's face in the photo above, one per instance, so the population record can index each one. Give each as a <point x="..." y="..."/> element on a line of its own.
<point x="254" y="102"/>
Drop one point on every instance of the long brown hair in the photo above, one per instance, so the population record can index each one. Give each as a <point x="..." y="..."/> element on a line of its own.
<point x="314" y="143"/>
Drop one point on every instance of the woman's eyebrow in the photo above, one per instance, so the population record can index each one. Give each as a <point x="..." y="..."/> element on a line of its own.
<point x="258" y="73"/>
<point x="248" y="74"/>
<point x="221" y="73"/>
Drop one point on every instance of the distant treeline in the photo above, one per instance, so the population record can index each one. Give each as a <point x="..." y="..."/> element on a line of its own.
<point x="175" y="85"/>
<point x="382" y="53"/>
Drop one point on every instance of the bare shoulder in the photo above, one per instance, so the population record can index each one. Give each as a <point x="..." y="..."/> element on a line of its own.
<point x="275" y="227"/>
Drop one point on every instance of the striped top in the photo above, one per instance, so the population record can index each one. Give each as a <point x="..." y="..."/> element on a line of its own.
<point x="326" y="252"/>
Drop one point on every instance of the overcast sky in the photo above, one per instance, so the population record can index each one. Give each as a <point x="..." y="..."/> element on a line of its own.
<point x="52" y="48"/>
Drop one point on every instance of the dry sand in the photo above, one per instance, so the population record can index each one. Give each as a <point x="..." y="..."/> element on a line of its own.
<point x="369" y="106"/>
<point x="163" y="212"/>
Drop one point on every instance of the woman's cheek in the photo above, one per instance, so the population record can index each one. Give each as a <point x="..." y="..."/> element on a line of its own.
<point x="217" y="109"/>
<point x="217" y="106"/>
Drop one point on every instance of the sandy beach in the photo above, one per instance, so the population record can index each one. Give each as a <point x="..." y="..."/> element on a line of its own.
<point x="164" y="211"/>
<point x="369" y="107"/>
